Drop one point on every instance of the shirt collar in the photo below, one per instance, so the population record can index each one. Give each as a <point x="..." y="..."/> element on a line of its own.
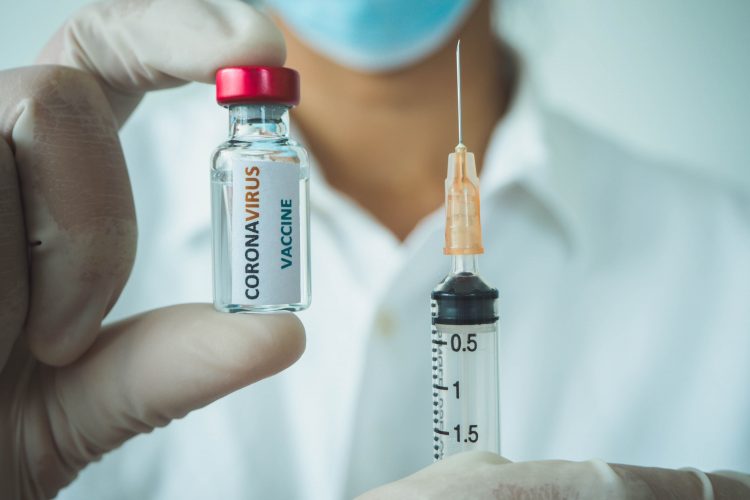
<point x="519" y="153"/>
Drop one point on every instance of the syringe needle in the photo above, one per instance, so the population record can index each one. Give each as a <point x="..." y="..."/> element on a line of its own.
<point x="464" y="319"/>
<point x="458" y="90"/>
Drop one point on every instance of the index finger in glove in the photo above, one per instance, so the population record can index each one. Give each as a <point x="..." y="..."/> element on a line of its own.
<point x="75" y="202"/>
<point x="134" y="46"/>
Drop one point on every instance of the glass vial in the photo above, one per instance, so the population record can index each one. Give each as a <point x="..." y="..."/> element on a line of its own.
<point x="259" y="196"/>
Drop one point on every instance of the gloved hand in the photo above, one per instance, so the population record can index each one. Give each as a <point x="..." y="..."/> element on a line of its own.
<point x="70" y="390"/>
<point x="482" y="475"/>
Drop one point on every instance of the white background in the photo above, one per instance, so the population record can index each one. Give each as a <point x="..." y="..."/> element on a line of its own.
<point x="668" y="77"/>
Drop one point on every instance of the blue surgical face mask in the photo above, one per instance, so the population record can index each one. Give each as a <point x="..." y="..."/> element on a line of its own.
<point x="373" y="35"/>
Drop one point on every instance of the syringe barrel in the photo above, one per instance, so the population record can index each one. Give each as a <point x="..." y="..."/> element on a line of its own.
<point x="465" y="372"/>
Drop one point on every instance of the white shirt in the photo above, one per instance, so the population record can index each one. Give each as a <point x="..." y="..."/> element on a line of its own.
<point x="624" y="304"/>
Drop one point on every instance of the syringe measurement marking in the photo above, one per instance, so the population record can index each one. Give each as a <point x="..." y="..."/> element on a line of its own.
<point x="472" y="434"/>
<point x="471" y="342"/>
<point x="437" y="376"/>
<point x="457" y="345"/>
<point x="444" y="388"/>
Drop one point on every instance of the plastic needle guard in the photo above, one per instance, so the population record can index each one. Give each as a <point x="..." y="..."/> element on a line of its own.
<point x="463" y="228"/>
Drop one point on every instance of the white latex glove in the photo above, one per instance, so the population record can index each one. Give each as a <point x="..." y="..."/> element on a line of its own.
<point x="70" y="390"/>
<point x="133" y="46"/>
<point x="486" y="476"/>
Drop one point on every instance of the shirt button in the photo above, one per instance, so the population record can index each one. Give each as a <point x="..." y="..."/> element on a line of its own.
<point x="385" y="323"/>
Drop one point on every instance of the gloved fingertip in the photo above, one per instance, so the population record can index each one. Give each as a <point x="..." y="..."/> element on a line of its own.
<point x="265" y="343"/>
<point x="287" y="331"/>
<point x="251" y="39"/>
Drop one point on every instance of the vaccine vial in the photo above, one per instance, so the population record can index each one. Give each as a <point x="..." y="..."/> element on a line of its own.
<point x="259" y="195"/>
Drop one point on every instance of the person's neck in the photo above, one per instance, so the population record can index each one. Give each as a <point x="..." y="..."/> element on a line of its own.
<point x="383" y="139"/>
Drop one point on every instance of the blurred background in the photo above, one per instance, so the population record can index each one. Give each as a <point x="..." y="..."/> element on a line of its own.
<point x="669" y="78"/>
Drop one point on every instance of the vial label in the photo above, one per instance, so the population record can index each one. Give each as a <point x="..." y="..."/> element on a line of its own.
<point x="265" y="233"/>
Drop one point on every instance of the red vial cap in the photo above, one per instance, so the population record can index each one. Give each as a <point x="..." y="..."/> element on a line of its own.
<point x="249" y="84"/>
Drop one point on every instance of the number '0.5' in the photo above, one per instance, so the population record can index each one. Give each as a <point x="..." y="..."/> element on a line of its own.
<point x="457" y="342"/>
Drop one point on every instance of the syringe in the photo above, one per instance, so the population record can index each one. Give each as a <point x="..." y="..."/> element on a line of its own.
<point x="465" y="383"/>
